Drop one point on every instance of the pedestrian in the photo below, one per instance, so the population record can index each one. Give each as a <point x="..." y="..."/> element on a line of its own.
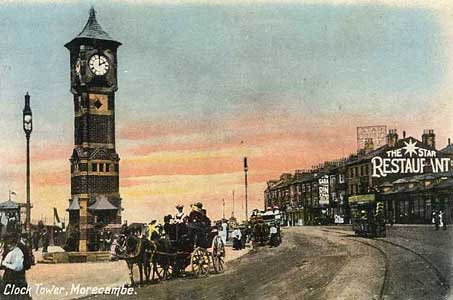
<point x="442" y="220"/>
<point x="244" y="238"/>
<point x="100" y="240"/>
<point x="107" y="240"/>
<point x="35" y="240"/>
<point x="224" y="232"/>
<point x="237" y="236"/>
<point x="273" y="240"/>
<point x="23" y="245"/>
<point x="152" y="230"/>
<point x="15" y="266"/>
<point x="436" y="220"/>
<point x="45" y="241"/>
<point x="179" y="217"/>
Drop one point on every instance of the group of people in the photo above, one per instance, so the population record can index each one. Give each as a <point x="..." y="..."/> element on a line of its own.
<point x="194" y="225"/>
<point x="248" y="234"/>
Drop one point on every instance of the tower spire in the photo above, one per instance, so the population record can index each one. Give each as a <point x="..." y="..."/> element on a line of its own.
<point x="92" y="31"/>
<point x="92" y="13"/>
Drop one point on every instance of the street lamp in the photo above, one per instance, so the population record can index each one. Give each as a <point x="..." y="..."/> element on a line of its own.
<point x="28" y="127"/>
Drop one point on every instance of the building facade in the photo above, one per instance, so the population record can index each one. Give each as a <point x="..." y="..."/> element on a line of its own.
<point x="410" y="176"/>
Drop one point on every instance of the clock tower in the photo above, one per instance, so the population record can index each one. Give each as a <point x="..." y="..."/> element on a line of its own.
<point x="95" y="200"/>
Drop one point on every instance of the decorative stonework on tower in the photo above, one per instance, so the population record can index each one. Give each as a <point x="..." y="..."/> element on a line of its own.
<point x="95" y="200"/>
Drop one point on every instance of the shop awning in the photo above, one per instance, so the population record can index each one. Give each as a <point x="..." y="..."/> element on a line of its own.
<point x="362" y="198"/>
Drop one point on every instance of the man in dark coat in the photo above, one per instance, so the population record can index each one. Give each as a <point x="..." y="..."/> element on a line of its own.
<point x="35" y="240"/>
<point x="45" y="241"/>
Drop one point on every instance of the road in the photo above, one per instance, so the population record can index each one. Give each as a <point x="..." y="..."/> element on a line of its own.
<point x="326" y="263"/>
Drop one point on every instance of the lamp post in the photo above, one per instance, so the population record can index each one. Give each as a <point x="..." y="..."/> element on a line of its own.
<point x="28" y="127"/>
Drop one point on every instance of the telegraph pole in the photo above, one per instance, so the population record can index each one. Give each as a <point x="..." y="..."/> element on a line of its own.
<point x="246" y="168"/>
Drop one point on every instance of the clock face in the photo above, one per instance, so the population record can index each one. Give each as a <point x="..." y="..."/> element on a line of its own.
<point x="99" y="64"/>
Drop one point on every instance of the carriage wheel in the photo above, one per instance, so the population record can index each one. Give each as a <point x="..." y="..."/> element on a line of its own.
<point x="200" y="262"/>
<point x="218" y="263"/>
<point x="218" y="254"/>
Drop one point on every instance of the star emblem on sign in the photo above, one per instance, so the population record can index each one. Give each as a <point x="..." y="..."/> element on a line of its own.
<point x="410" y="148"/>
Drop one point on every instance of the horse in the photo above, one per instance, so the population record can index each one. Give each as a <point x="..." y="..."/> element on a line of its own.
<point x="260" y="232"/>
<point x="134" y="250"/>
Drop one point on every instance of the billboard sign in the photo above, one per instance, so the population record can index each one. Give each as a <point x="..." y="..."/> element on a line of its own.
<point x="409" y="157"/>
<point x="324" y="190"/>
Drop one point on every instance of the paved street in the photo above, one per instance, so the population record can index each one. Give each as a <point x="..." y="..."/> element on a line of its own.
<point x="309" y="265"/>
<point x="326" y="263"/>
<point x="412" y="262"/>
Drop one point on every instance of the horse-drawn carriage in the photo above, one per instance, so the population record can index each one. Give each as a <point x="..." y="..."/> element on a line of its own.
<point x="368" y="221"/>
<point x="183" y="246"/>
<point x="260" y="230"/>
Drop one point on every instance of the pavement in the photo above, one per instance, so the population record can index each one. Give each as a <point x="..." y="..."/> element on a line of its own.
<point x="46" y="280"/>
<point x="307" y="265"/>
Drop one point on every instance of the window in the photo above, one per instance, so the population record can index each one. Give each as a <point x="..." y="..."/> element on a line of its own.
<point x="94" y="167"/>
<point x="107" y="167"/>
<point x="83" y="167"/>
<point x="101" y="167"/>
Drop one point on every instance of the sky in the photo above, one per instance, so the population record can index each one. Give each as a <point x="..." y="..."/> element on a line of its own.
<point x="204" y="83"/>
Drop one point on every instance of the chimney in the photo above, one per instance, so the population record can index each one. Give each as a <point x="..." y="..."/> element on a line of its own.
<point x="404" y="134"/>
<point x="429" y="138"/>
<point x="392" y="138"/>
<point x="448" y="141"/>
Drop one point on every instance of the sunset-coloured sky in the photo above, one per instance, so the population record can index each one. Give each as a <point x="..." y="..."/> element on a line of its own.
<point x="204" y="83"/>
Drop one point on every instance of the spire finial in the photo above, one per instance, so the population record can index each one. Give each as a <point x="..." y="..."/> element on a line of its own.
<point x="92" y="12"/>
